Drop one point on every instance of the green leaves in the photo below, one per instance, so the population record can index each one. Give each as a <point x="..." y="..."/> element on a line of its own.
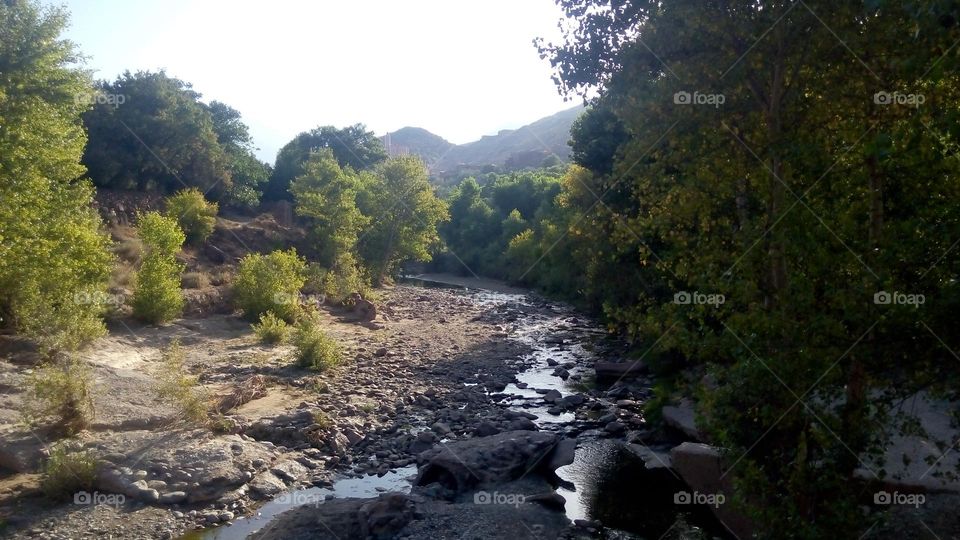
<point x="54" y="262"/>
<point x="270" y="283"/>
<point x="161" y="137"/>
<point x="157" y="297"/>
<point x="195" y="216"/>
<point x="826" y="175"/>
<point x="352" y="147"/>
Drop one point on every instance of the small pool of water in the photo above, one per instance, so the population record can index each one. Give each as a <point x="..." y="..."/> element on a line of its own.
<point x="613" y="485"/>
<point x="369" y="486"/>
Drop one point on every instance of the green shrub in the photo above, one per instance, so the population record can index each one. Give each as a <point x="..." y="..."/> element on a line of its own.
<point x="68" y="471"/>
<point x="157" y="297"/>
<point x="52" y="249"/>
<point x="315" y="349"/>
<point x="271" y="329"/>
<point x="195" y="215"/>
<point x="270" y="283"/>
<point x="338" y="283"/>
<point x="181" y="389"/>
<point x="59" y="392"/>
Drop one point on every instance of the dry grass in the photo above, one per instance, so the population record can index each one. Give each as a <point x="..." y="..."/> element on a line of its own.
<point x="122" y="276"/>
<point x="195" y="280"/>
<point x="130" y="250"/>
<point x="222" y="276"/>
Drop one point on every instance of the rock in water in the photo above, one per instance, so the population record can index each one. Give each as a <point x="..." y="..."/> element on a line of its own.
<point x="378" y="519"/>
<point x="462" y="465"/>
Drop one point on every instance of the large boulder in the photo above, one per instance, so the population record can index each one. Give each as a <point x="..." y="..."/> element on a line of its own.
<point x="362" y="309"/>
<point x="21" y="451"/>
<point x="683" y="418"/>
<point x="700" y="466"/>
<point x="376" y="519"/>
<point x="466" y="464"/>
<point x="607" y="371"/>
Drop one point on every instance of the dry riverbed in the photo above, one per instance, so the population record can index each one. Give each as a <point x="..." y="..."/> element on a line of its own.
<point x="423" y="372"/>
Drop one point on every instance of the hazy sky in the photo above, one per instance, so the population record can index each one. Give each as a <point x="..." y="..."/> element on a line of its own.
<point x="459" y="68"/>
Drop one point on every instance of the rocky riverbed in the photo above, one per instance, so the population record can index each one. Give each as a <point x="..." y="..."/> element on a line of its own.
<point x="439" y="365"/>
<point x="458" y="413"/>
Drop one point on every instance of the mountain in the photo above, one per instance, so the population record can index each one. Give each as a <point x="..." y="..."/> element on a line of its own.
<point x="532" y="145"/>
<point x="414" y="140"/>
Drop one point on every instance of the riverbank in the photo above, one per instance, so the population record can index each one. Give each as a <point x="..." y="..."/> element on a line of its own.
<point x="428" y="370"/>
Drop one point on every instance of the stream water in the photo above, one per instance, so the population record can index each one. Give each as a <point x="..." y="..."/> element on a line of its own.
<point x="607" y="481"/>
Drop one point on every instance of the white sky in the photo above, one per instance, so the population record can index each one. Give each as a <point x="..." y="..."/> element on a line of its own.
<point x="459" y="68"/>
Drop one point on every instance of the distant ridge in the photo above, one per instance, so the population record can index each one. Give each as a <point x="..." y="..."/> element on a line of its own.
<point x="540" y="143"/>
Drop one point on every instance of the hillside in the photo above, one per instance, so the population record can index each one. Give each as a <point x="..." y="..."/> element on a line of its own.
<point x="414" y="140"/>
<point x="510" y="149"/>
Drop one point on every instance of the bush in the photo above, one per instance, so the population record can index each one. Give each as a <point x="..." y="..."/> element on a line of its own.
<point x="270" y="283"/>
<point x="180" y="389"/>
<point x="340" y="282"/>
<point x="315" y="349"/>
<point x="193" y="213"/>
<point x="68" y="471"/>
<point x="271" y="329"/>
<point x="157" y="297"/>
<point x="59" y="392"/>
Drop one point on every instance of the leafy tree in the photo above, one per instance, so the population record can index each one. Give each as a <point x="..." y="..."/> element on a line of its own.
<point x="54" y="262"/>
<point x="195" y="216"/>
<point x="596" y="136"/>
<point x="249" y="174"/>
<point x="352" y="146"/>
<point x="468" y="233"/>
<point x="406" y="211"/>
<point x="157" y="297"/>
<point x="798" y="201"/>
<point x="326" y="194"/>
<point x="154" y="134"/>
<point x="484" y="222"/>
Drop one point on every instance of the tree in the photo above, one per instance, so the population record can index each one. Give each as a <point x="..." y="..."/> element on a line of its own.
<point x="353" y="147"/>
<point x="797" y="198"/>
<point x="54" y="263"/>
<point x="153" y="133"/>
<point x="327" y="195"/>
<point x="249" y="174"/>
<point x="468" y="234"/>
<point x="405" y="212"/>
